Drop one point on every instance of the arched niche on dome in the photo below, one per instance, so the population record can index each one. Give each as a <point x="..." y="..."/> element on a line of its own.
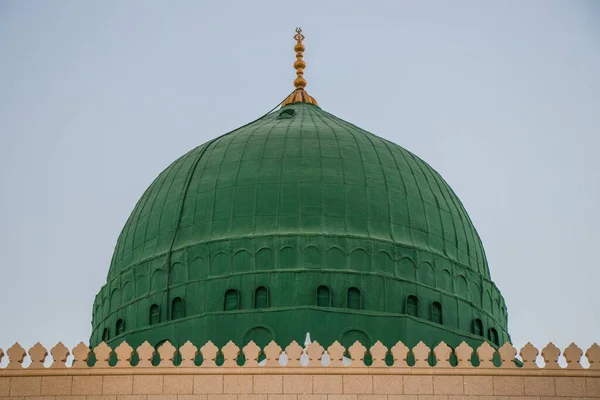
<point x="384" y="263"/>
<point x="261" y="335"/>
<point x="198" y="268"/>
<point x="352" y="335"/>
<point x="487" y="301"/>
<point x="105" y="307"/>
<point x="127" y="292"/>
<point x="219" y="265"/>
<point x="444" y="280"/>
<point x="177" y="308"/>
<point x="141" y="285"/>
<point x="324" y="296"/>
<point x="288" y="258"/>
<point x="496" y="308"/>
<point x="360" y="260"/>
<point x="475" y="293"/>
<point x="406" y="268"/>
<point x="177" y="274"/>
<point x="311" y="257"/>
<point x="232" y="300"/>
<point x="437" y="315"/>
<point x="412" y="306"/>
<point x="115" y="299"/>
<point x="354" y="300"/>
<point x="262" y="297"/>
<point x="462" y="288"/>
<point x="265" y="259"/>
<point x="242" y="261"/>
<point x="158" y="280"/>
<point x="335" y="258"/>
<point x="427" y="274"/>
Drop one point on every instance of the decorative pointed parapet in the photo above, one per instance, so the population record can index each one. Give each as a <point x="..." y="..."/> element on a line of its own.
<point x="378" y="352"/>
<point x="38" y="354"/>
<point x="124" y="353"/>
<point x="550" y="353"/>
<point x="81" y="355"/>
<point x="314" y="352"/>
<point x="421" y="353"/>
<point x="209" y="354"/>
<point x="573" y="355"/>
<point x="60" y="352"/>
<point x="507" y="355"/>
<point x="16" y="355"/>
<point x="336" y="354"/>
<point x="251" y="352"/>
<point x="529" y="355"/>
<point x="273" y="352"/>
<point x="102" y="353"/>
<point x="485" y="353"/>
<point x="442" y="355"/>
<point x="293" y="352"/>
<point x="400" y="354"/>
<point x="166" y="353"/>
<point x="592" y="354"/>
<point x="188" y="354"/>
<point x="145" y="354"/>
<point x="230" y="354"/>
<point x="464" y="353"/>
<point x="357" y="354"/>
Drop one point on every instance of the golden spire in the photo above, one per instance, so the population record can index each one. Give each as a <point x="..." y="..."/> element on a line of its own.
<point x="299" y="95"/>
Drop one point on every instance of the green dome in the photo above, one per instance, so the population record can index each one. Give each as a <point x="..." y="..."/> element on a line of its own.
<point x="299" y="222"/>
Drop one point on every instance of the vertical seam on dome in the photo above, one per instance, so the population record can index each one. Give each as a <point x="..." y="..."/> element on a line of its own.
<point x="318" y="113"/>
<point x="385" y="179"/>
<point x="239" y="168"/>
<point x="187" y="185"/>
<point x="437" y="203"/>
<point x="322" y="224"/>
<point x="212" y="218"/>
<point x="362" y="161"/>
<point x="155" y="192"/>
<point x="387" y="145"/>
<point x="476" y="241"/>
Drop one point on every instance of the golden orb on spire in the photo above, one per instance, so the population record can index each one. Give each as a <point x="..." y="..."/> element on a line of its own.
<point x="299" y="95"/>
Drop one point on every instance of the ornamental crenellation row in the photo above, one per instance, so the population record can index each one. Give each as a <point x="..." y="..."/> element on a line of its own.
<point x="294" y="355"/>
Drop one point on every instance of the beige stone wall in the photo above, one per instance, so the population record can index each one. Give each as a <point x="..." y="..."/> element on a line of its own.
<point x="310" y="373"/>
<point x="314" y="385"/>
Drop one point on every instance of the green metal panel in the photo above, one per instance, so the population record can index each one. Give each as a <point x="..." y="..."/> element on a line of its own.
<point x="234" y="239"/>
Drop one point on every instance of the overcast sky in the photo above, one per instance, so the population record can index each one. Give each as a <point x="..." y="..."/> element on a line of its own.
<point x="502" y="98"/>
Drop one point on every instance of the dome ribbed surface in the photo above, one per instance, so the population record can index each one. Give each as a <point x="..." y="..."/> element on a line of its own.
<point x="299" y="171"/>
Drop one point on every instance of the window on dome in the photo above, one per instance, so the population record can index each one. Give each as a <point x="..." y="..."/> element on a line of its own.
<point x="261" y="297"/>
<point x="323" y="296"/>
<point x="493" y="336"/>
<point x="120" y="327"/>
<point x="354" y="299"/>
<point x="105" y="335"/>
<point x="477" y="327"/>
<point x="436" y="313"/>
<point x="232" y="300"/>
<point x="412" y="306"/>
<point x="154" y="314"/>
<point x="177" y="308"/>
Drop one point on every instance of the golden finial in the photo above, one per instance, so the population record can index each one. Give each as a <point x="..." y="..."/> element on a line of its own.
<point x="300" y="82"/>
<point x="299" y="95"/>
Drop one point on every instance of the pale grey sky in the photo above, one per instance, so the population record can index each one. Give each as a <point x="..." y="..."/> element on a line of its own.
<point x="501" y="97"/>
